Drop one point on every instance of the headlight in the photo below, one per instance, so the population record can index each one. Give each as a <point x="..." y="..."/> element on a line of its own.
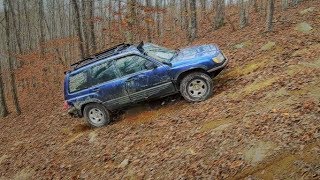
<point x="219" y="59"/>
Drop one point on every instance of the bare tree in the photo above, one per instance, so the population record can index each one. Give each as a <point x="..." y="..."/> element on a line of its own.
<point x="243" y="14"/>
<point x="148" y="19"/>
<point x="193" y="21"/>
<point x="78" y="28"/>
<point x="284" y="4"/>
<point x="91" y="25"/>
<point x="85" y="26"/>
<point x="15" y="28"/>
<point x="158" y="17"/>
<point x="42" y="22"/>
<point x="27" y="19"/>
<point x="203" y="7"/>
<point x="3" y="104"/>
<point x="12" y="78"/>
<point x="269" y="19"/>
<point x="255" y="5"/>
<point x="185" y="14"/>
<point x="131" y="18"/>
<point x="219" y="15"/>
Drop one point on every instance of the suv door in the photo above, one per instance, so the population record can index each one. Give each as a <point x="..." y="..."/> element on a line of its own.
<point x="106" y="84"/>
<point x="144" y="78"/>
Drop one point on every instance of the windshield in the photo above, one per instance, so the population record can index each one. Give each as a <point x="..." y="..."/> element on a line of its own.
<point x="159" y="53"/>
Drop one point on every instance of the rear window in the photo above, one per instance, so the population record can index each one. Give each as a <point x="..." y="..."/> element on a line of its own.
<point x="78" y="82"/>
<point x="97" y="74"/>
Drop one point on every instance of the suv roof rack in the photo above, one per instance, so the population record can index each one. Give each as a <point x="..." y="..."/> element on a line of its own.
<point x="98" y="56"/>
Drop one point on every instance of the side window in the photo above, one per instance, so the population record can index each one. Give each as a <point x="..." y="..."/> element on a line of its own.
<point x="131" y="64"/>
<point x="78" y="82"/>
<point x="102" y="73"/>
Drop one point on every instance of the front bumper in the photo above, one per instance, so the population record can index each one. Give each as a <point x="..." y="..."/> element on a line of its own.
<point x="220" y="66"/>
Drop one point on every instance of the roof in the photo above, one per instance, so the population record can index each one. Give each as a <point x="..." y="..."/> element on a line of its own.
<point x="101" y="55"/>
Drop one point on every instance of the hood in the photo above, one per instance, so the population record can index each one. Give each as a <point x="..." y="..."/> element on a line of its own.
<point x="193" y="52"/>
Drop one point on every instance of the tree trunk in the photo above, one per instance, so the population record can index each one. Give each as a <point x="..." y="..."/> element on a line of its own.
<point x="219" y="15"/>
<point x="91" y="20"/>
<point x="203" y="7"/>
<point x="255" y="5"/>
<point x="12" y="78"/>
<point x="85" y="27"/>
<point x="284" y="4"/>
<point x="148" y="20"/>
<point x="193" y="21"/>
<point x="28" y="24"/>
<point x="78" y="28"/>
<point x="131" y="18"/>
<point x="3" y="104"/>
<point x="185" y="15"/>
<point x="15" y="28"/>
<point x="42" y="26"/>
<point x="158" y="17"/>
<point x="270" y="8"/>
<point x="243" y="14"/>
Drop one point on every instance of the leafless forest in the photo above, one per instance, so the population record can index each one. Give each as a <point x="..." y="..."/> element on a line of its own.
<point x="41" y="38"/>
<point x="262" y="121"/>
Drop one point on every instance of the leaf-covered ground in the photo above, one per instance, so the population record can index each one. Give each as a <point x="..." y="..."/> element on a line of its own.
<point x="262" y="122"/>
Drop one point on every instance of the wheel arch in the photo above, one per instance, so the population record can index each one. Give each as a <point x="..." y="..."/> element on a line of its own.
<point x="91" y="101"/>
<point x="183" y="74"/>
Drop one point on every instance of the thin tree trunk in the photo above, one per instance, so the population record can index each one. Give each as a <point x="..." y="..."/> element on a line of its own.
<point x="78" y="28"/>
<point x="42" y="26"/>
<point x="85" y="27"/>
<point x="3" y="104"/>
<point x="102" y="13"/>
<point x="131" y="16"/>
<point x="148" y="19"/>
<point x="110" y="18"/>
<point x="255" y="5"/>
<point x="269" y="26"/>
<point x="28" y="24"/>
<point x="185" y="15"/>
<point x="91" y="25"/>
<point x="219" y="15"/>
<point x="15" y="28"/>
<point x="243" y="14"/>
<point x="193" y="21"/>
<point x="284" y="4"/>
<point x="10" y="61"/>
<point x="158" y="17"/>
<point x="203" y="7"/>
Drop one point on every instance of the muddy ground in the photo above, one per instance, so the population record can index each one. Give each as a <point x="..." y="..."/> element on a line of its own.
<point x="261" y="123"/>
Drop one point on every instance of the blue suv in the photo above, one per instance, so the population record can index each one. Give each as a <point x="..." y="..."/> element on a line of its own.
<point x="127" y="74"/>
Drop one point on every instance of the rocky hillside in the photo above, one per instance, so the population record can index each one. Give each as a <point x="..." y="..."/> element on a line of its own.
<point x="262" y="122"/>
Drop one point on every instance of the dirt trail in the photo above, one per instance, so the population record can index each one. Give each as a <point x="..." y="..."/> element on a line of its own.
<point x="261" y="123"/>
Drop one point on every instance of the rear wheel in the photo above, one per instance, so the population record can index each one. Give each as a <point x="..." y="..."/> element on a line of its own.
<point x="96" y="115"/>
<point x="196" y="87"/>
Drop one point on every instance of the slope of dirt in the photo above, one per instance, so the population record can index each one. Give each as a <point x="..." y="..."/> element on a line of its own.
<point x="262" y="122"/>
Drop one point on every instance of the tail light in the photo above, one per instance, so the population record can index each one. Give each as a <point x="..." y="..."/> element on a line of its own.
<point x="65" y="105"/>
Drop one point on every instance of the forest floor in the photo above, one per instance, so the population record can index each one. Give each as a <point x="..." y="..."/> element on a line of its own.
<point x="262" y="121"/>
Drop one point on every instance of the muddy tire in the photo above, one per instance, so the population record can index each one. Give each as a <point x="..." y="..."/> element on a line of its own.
<point x="196" y="87"/>
<point x="96" y="115"/>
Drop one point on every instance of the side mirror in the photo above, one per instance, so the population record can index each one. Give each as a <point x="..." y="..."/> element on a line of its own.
<point x="150" y="65"/>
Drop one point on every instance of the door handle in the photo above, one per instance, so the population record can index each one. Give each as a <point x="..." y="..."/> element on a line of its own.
<point x="130" y="78"/>
<point x="96" y="89"/>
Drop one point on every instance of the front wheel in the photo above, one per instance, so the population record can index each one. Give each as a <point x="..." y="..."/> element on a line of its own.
<point x="196" y="87"/>
<point x="96" y="115"/>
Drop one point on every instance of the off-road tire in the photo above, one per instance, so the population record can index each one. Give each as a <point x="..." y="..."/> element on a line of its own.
<point x="205" y="80"/>
<point x="102" y="113"/>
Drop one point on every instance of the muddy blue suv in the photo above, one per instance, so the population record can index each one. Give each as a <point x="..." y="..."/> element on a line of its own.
<point x="127" y="74"/>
